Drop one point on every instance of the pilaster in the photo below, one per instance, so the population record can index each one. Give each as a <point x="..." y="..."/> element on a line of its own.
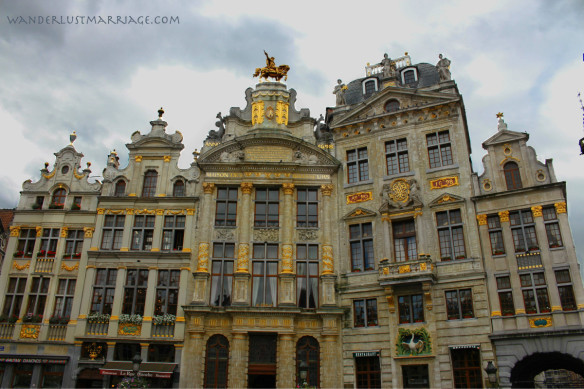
<point x="238" y="361"/>
<point x="285" y="375"/>
<point x="244" y="228"/>
<point x="118" y="300"/>
<point x="327" y="255"/>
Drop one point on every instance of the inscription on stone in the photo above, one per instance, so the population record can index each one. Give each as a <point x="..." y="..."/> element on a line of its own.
<point x="268" y="154"/>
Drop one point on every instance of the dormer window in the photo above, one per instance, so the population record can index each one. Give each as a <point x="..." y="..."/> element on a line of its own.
<point x="59" y="198"/>
<point x="150" y="180"/>
<point x="409" y="76"/>
<point x="370" y="86"/>
<point x="178" y="189"/>
<point x="120" y="189"/>
<point x="512" y="176"/>
<point x="391" y="105"/>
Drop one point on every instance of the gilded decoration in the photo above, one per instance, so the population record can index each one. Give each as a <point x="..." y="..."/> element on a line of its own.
<point x="400" y="189"/>
<point x="257" y="112"/>
<point x="138" y="158"/>
<point x="282" y="112"/>
<point x="288" y="188"/>
<point x="269" y="175"/>
<point x="270" y="113"/>
<point x="64" y="231"/>
<point x="400" y="193"/>
<point x="507" y="150"/>
<point x="271" y="70"/>
<point x="208" y="187"/>
<point x="287" y="258"/>
<point x="160" y="212"/>
<point x="21" y="267"/>
<point x="413" y="342"/>
<point x="49" y="176"/>
<point x="78" y="176"/>
<point x="190" y="211"/>
<point x="560" y="207"/>
<point x="487" y="186"/>
<point x="30" y="331"/>
<point x="495" y="313"/>
<point x="203" y="257"/>
<point x="326" y="189"/>
<point x="166" y="158"/>
<point x="94" y="350"/>
<point x="536" y="209"/>
<point x="444" y="182"/>
<point x="482" y="219"/>
<point x="504" y="216"/>
<point x="404" y="269"/>
<point x="359" y="197"/>
<point x="243" y="258"/>
<point x="246" y="187"/>
<point x="145" y="211"/>
<point x="39" y="231"/>
<point x="129" y="329"/>
<point x="100" y="211"/>
<point x="69" y="268"/>
<point x="14" y="230"/>
<point x="540" y="322"/>
<point x="327" y="259"/>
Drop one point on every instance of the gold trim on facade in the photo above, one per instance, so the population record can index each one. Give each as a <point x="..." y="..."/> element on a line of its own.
<point x="482" y="219"/>
<point x="560" y="207"/>
<point x="536" y="210"/>
<point x="203" y="257"/>
<point x="444" y="182"/>
<point x="208" y="187"/>
<point x="359" y="197"/>
<point x="504" y="216"/>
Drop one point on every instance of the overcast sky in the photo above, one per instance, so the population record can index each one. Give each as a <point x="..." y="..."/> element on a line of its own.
<point x="105" y="81"/>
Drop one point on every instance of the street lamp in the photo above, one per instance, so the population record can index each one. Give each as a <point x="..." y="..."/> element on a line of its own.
<point x="136" y="361"/>
<point x="303" y="372"/>
<point x="491" y="372"/>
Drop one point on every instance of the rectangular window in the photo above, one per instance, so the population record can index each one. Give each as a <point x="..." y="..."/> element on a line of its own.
<point x="64" y="297"/>
<point x="466" y="368"/>
<point x="368" y="372"/>
<point x="415" y="376"/>
<point x="26" y="242"/>
<point x="552" y="227"/>
<point x="267" y="203"/>
<point x="143" y="232"/>
<point x="173" y="233"/>
<point x="52" y="375"/>
<point x="38" y="204"/>
<point x="565" y="290"/>
<point x="161" y="353"/>
<point x="361" y="242"/>
<point x="14" y="297"/>
<point x="135" y="291"/>
<point x="535" y="295"/>
<point x="357" y="165"/>
<point x="226" y="211"/>
<point x="523" y="230"/>
<point x="495" y="235"/>
<point x="76" y="206"/>
<point x="404" y="241"/>
<point x="307" y="275"/>
<point x="411" y="308"/>
<point x="450" y="235"/>
<point x="365" y="312"/>
<point x="167" y="292"/>
<point x="74" y="244"/>
<point x="37" y="298"/>
<point x="307" y="207"/>
<point x="459" y="304"/>
<point x="222" y="274"/>
<point x="505" y="296"/>
<point x="104" y="288"/>
<point x="49" y="242"/>
<point x="396" y="156"/>
<point x="439" y="149"/>
<point x="113" y="229"/>
<point x="265" y="275"/>
<point x="126" y="351"/>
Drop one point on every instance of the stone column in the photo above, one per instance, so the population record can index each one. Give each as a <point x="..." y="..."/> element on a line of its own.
<point x="96" y="241"/>
<point x="187" y="239"/>
<point x="127" y="234"/>
<point x="150" y="302"/>
<point x="157" y="233"/>
<point x="137" y="177"/>
<point x="118" y="301"/>
<point x="84" y="302"/>
<point x="327" y="275"/>
<point x="202" y="273"/>
<point x="330" y="362"/>
<point x="242" y="275"/>
<point x="387" y="237"/>
<point x="166" y="188"/>
<point x="286" y="373"/>
<point x="238" y="360"/>
<point x="193" y="361"/>
<point x="287" y="284"/>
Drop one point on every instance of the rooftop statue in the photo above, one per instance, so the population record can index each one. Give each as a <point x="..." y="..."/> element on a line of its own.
<point x="271" y="70"/>
<point x="443" y="67"/>
<point x="389" y="68"/>
<point x="339" y="91"/>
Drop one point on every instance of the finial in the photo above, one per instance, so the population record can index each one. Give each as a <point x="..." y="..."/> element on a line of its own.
<point x="406" y="53"/>
<point x="114" y="152"/>
<point x="72" y="137"/>
<point x="46" y="165"/>
<point x="499" y="115"/>
<point x="196" y="154"/>
<point x="88" y="164"/>
<point x="160" y="113"/>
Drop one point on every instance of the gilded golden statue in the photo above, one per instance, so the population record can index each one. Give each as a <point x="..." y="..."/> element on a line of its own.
<point x="271" y="70"/>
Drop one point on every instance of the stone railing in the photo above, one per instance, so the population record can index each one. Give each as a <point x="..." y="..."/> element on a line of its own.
<point x="6" y="330"/>
<point x="57" y="332"/>
<point x="97" y="327"/>
<point x="44" y="265"/>
<point x="163" y="330"/>
<point x="420" y="270"/>
<point x="529" y="260"/>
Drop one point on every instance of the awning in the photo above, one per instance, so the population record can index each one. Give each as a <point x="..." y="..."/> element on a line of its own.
<point x="147" y="369"/>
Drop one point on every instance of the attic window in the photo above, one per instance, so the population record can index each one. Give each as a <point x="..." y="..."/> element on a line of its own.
<point x="391" y="106"/>
<point x="150" y="179"/>
<point x="370" y="86"/>
<point x="59" y="197"/>
<point x="409" y="76"/>
<point x="179" y="189"/>
<point x="512" y="176"/>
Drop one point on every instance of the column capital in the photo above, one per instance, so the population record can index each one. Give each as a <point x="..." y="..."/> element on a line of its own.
<point x="288" y="188"/>
<point x="326" y="189"/>
<point x="536" y="210"/>
<point x="504" y="216"/>
<point x="482" y="219"/>
<point x="246" y="187"/>
<point x="560" y="207"/>
<point x="208" y="187"/>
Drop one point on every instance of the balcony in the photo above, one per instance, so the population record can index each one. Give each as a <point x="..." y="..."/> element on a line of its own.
<point x="57" y="332"/>
<point x="418" y="271"/>
<point x="97" y="327"/>
<point x="44" y="265"/>
<point x="163" y="330"/>
<point x="529" y="260"/>
<point x="6" y="330"/>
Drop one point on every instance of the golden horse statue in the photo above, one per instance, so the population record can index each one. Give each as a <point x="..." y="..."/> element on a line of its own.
<point x="271" y="70"/>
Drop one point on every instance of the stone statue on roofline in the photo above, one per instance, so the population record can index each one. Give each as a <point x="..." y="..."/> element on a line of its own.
<point x="389" y="69"/>
<point x="339" y="91"/>
<point x="443" y="67"/>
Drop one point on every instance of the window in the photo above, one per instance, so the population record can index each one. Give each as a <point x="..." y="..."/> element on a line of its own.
<point x="365" y="312"/>
<point x="552" y="227"/>
<point x="535" y="295"/>
<point x="369" y="87"/>
<point x="216" y="362"/>
<point x="161" y="353"/>
<point x="368" y="372"/>
<point x="361" y="241"/>
<point x="38" y="203"/>
<point x="173" y="233"/>
<point x="143" y="232"/>
<point x="265" y="275"/>
<point x="512" y="176"/>
<point x="113" y="228"/>
<point x="523" y="230"/>
<point x="49" y="242"/>
<point x="222" y="274"/>
<point x="396" y="156"/>
<point x="74" y="244"/>
<point x="307" y="207"/>
<point x="167" y="292"/>
<point x="103" y="291"/>
<point x="415" y="376"/>
<point x="22" y="375"/>
<point x="26" y="242"/>
<point x="135" y="291"/>
<point x="450" y="235"/>
<point x="439" y="149"/>
<point x="178" y="189"/>
<point x="505" y="296"/>
<point x="76" y="206"/>
<point x="307" y="275"/>
<point x="52" y="375"/>
<point x="411" y="308"/>
<point x="409" y="76"/>
<point x="404" y="241"/>
<point x="14" y="296"/>
<point x="459" y="304"/>
<point x="150" y="179"/>
<point x="37" y="298"/>
<point x="59" y="198"/>
<point x="126" y="351"/>
<point x="357" y="165"/>
<point x="495" y="235"/>
<point x="466" y="368"/>
<point x="565" y="290"/>
<point x="64" y="297"/>
<point x="391" y="106"/>
<point x="120" y="189"/>
<point x="266" y="207"/>
<point x="226" y="212"/>
<point x="307" y="362"/>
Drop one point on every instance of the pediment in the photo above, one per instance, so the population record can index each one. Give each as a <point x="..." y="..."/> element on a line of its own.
<point x="359" y="212"/>
<point x="505" y="136"/>
<point x="446" y="198"/>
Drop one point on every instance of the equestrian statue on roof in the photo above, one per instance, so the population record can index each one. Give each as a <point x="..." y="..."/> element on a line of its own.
<point x="271" y="70"/>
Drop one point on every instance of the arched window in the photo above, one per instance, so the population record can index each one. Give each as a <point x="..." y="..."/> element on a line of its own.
<point x="178" y="189"/>
<point x="307" y="362"/>
<point x="150" y="179"/>
<point x="391" y="105"/>
<point x="409" y="76"/>
<point x="59" y="197"/>
<point x="512" y="176"/>
<point x="120" y="188"/>
<point x="216" y="362"/>
<point x="369" y="87"/>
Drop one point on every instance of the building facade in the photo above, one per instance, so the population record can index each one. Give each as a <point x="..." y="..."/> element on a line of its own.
<point x="354" y="250"/>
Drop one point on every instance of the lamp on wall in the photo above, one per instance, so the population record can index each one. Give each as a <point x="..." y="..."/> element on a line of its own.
<point x="491" y="372"/>
<point x="302" y="373"/>
<point x="136" y="361"/>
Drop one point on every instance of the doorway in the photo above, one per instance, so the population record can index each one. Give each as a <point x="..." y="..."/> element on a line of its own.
<point x="262" y="360"/>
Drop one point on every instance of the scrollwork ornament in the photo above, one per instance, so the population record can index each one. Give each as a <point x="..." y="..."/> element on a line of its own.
<point x="560" y="207"/>
<point x="203" y="257"/>
<point x="243" y="258"/>
<point x="482" y="219"/>
<point x="287" y="258"/>
<point x="327" y="259"/>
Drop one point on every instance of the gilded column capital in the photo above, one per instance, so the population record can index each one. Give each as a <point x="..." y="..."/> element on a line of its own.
<point x="14" y="230"/>
<point x="39" y="231"/>
<point x="203" y="257"/>
<point x="166" y="158"/>
<point x="208" y="187"/>
<point x="536" y="210"/>
<point x="504" y="216"/>
<point x="287" y="267"/>
<point x="326" y="189"/>
<point x="288" y="188"/>
<point x="560" y="207"/>
<point x="482" y="219"/>
<point x="328" y="263"/>
<point x="190" y="211"/>
<point x="64" y="232"/>
<point x="138" y="158"/>
<point x="130" y="211"/>
<point x="243" y="258"/>
<point x="246" y="187"/>
<point x="160" y="212"/>
<point x="100" y="211"/>
<point x="88" y="231"/>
